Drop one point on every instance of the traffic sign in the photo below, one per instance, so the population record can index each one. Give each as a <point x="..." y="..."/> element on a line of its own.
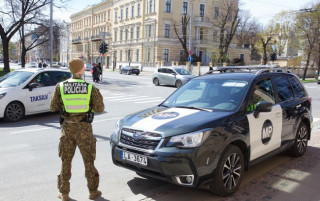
<point x="190" y="52"/>
<point x="190" y="58"/>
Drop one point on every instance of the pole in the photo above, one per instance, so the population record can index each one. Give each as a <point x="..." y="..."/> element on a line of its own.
<point x="190" y="35"/>
<point x="51" y="32"/>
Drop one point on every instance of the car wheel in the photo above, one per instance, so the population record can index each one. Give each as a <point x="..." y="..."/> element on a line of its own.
<point x="156" y="81"/>
<point x="14" y="112"/>
<point x="178" y="83"/>
<point x="301" y="142"/>
<point x="137" y="74"/>
<point x="229" y="172"/>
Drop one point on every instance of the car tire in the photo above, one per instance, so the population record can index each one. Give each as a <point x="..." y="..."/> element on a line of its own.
<point x="14" y="112"/>
<point x="178" y="83"/>
<point x="156" y="81"/>
<point x="301" y="142"/>
<point x="226" y="182"/>
<point x="137" y="74"/>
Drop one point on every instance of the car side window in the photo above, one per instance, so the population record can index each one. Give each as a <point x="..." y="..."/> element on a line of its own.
<point x="262" y="91"/>
<point x="169" y="71"/>
<point x="59" y="77"/>
<point x="43" y="79"/>
<point x="297" y="87"/>
<point x="284" y="88"/>
<point x="161" y="70"/>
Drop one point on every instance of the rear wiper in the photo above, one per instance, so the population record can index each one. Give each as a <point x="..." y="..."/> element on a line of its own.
<point x="195" y="108"/>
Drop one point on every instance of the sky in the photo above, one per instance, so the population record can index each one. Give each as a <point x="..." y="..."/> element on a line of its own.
<point x="263" y="10"/>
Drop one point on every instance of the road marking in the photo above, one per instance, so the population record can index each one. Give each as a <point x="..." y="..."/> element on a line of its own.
<point x="159" y="100"/>
<point x="47" y="128"/>
<point x="117" y="97"/>
<point x="126" y="98"/>
<point x="140" y="99"/>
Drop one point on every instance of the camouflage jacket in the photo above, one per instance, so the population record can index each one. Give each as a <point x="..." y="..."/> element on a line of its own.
<point x="57" y="104"/>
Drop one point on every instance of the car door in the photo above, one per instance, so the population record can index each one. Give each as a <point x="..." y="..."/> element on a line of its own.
<point x="162" y="75"/>
<point x="171" y="77"/>
<point x="38" y="99"/>
<point x="265" y="128"/>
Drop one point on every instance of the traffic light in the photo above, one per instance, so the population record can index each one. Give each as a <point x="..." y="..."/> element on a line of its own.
<point x="103" y="48"/>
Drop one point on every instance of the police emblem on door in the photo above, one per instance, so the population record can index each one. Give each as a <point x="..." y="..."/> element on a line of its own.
<point x="266" y="133"/>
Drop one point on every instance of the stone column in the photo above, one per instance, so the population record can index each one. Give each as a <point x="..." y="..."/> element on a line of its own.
<point x="199" y="67"/>
<point x="172" y="63"/>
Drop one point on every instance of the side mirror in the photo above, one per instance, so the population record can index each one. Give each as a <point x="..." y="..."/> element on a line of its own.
<point x="31" y="86"/>
<point x="262" y="106"/>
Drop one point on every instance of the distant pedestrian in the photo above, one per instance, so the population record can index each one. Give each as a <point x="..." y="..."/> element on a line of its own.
<point x="100" y="71"/>
<point x="77" y="102"/>
<point x="44" y="65"/>
<point x="96" y="73"/>
<point x="210" y="68"/>
<point x="40" y="65"/>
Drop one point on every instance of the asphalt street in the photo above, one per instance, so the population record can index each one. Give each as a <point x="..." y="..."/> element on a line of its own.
<point x="29" y="159"/>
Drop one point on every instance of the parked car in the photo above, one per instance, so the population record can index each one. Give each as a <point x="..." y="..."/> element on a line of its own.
<point x="88" y="67"/>
<point x="173" y="76"/>
<point x="32" y="65"/>
<point x="129" y="70"/>
<point x="28" y="91"/>
<point x="55" y="64"/>
<point x="213" y="128"/>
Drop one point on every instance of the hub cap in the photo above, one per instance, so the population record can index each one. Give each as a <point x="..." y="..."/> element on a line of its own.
<point x="302" y="139"/>
<point x="231" y="171"/>
<point x="14" y="112"/>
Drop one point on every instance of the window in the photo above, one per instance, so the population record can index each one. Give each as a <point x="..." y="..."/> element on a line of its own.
<point x="166" y="55"/>
<point x="137" y="55"/>
<point x="181" y="56"/>
<point x="201" y="33"/>
<point x="284" y="89"/>
<point x="138" y="32"/>
<point x="120" y="55"/>
<point x="132" y="11"/>
<point x="109" y="14"/>
<point x="202" y="6"/>
<point x="126" y="32"/>
<point x="59" y="77"/>
<point x="167" y="30"/>
<point x="185" y="8"/>
<point x="242" y="57"/>
<point x="262" y="91"/>
<point x="216" y="13"/>
<point x="121" y="35"/>
<point x="149" y="54"/>
<point x="168" y="6"/>
<point x="139" y="9"/>
<point x="215" y="36"/>
<point x="150" y="4"/>
<point x="131" y="33"/>
<point x="127" y="13"/>
<point x="115" y="35"/>
<point x="297" y="87"/>
<point x="149" y="30"/>
<point x="115" y="16"/>
<point x="121" y="14"/>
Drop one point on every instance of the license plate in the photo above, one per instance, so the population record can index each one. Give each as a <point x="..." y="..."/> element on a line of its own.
<point x="136" y="158"/>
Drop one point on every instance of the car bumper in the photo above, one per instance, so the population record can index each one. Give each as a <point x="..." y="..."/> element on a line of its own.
<point x="173" y="165"/>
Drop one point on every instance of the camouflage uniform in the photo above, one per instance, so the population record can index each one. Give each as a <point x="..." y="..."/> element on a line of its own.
<point x="75" y="133"/>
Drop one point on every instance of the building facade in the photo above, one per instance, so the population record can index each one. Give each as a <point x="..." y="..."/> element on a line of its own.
<point x="89" y="28"/>
<point x="142" y="31"/>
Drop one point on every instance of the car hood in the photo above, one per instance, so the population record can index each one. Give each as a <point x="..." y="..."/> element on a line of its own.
<point x="173" y="121"/>
<point x="187" y="76"/>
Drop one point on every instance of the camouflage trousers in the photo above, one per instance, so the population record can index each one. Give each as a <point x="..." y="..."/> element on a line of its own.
<point x="73" y="135"/>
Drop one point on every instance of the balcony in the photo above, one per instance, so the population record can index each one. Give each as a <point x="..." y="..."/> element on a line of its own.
<point x="76" y="41"/>
<point x="96" y="38"/>
<point x="201" y="21"/>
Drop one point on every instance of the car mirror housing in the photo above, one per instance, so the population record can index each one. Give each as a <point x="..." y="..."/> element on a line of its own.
<point x="262" y="106"/>
<point x="31" y="86"/>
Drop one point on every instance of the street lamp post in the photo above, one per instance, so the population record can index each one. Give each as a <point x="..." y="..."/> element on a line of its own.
<point x="51" y="32"/>
<point x="190" y="35"/>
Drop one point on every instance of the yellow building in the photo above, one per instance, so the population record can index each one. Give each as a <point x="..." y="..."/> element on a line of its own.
<point x="142" y="31"/>
<point x="89" y="28"/>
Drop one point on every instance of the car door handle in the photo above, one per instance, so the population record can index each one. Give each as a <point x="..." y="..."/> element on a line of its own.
<point x="298" y="106"/>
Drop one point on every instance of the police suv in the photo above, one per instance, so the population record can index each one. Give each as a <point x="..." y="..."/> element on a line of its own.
<point x="214" y="127"/>
<point x="28" y="91"/>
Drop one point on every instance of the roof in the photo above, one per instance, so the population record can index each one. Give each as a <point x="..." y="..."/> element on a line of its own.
<point x="42" y="69"/>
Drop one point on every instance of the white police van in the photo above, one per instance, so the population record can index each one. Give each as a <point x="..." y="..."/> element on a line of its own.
<point x="28" y="91"/>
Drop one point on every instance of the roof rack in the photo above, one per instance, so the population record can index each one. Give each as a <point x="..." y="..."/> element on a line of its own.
<point x="257" y="69"/>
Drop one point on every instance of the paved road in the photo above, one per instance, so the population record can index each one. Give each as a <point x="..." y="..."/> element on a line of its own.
<point x="29" y="161"/>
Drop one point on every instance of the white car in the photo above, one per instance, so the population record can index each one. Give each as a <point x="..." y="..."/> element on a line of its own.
<point x="32" y="65"/>
<point x="28" y="91"/>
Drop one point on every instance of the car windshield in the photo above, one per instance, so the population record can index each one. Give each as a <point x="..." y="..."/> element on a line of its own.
<point x="182" y="71"/>
<point x="14" y="78"/>
<point x="209" y="95"/>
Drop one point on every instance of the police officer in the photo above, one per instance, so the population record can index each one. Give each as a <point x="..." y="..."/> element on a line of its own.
<point x="76" y="100"/>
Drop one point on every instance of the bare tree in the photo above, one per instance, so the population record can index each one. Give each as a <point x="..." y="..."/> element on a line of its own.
<point x="182" y="36"/>
<point x="225" y="18"/>
<point x="308" y="24"/>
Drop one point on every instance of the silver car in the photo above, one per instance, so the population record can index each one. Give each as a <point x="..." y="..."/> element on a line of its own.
<point x="171" y="76"/>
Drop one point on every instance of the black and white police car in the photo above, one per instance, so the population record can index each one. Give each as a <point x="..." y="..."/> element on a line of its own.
<point x="28" y="91"/>
<point x="214" y="127"/>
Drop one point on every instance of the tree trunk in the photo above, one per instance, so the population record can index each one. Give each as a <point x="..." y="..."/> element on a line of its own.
<point x="23" y="57"/>
<point x="307" y="65"/>
<point x="5" y="45"/>
<point x="265" y="56"/>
